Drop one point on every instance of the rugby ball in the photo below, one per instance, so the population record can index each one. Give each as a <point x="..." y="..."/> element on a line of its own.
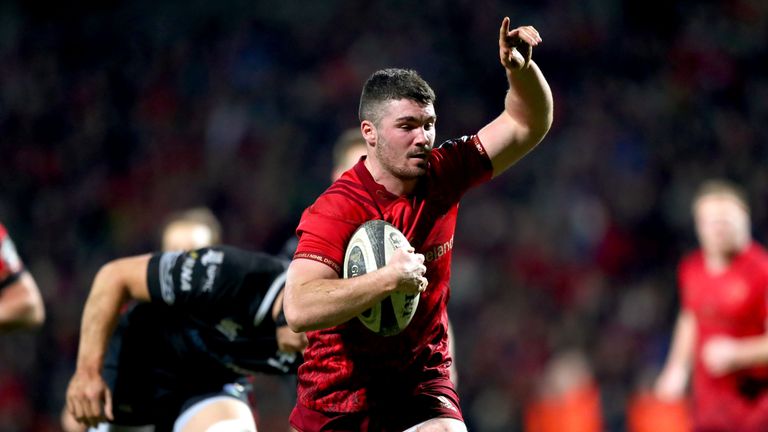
<point x="369" y="249"/>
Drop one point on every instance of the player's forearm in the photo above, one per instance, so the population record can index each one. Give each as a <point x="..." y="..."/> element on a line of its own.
<point x="100" y="316"/>
<point x="683" y="341"/>
<point x="751" y="351"/>
<point x="323" y="303"/>
<point x="525" y="121"/>
<point x="21" y="305"/>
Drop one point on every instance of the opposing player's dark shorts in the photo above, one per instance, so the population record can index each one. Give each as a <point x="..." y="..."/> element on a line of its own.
<point x="152" y="375"/>
<point x="394" y="413"/>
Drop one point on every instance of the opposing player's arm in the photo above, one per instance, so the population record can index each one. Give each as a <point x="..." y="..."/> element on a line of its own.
<point x="316" y="298"/>
<point x="528" y="105"/>
<point x="21" y="305"/>
<point x="88" y="397"/>
<point x="674" y="377"/>
<point x="116" y="282"/>
<point x="287" y="339"/>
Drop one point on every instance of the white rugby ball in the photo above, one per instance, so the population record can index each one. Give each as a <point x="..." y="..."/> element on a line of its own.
<point x="369" y="249"/>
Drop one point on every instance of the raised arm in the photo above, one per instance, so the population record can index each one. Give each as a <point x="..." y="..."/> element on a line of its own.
<point x="88" y="397"/>
<point x="528" y="104"/>
<point x="21" y="305"/>
<point x="316" y="298"/>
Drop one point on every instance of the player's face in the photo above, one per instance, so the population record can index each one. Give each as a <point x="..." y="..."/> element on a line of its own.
<point x="722" y="224"/>
<point x="186" y="236"/>
<point x="405" y="136"/>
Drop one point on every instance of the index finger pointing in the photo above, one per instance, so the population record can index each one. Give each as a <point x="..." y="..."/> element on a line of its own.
<point x="504" y="29"/>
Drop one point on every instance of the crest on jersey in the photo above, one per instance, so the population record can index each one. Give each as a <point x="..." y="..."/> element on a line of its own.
<point x="229" y="329"/>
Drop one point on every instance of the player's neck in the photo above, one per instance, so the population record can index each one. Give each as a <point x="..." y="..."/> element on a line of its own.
<point x="719" y="261"/>
<point x="391" y="183"/>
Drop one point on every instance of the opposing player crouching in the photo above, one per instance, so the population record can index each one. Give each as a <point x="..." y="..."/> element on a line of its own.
<point x="214" y="316"/>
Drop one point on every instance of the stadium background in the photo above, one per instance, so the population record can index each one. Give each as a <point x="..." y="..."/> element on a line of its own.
<point x="113" y="114"/>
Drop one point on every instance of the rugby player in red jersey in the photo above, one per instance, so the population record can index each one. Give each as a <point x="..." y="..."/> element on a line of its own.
<point x="352" y="379"/>
<point x="721" y="328"/>
<point x="21" y="305"/>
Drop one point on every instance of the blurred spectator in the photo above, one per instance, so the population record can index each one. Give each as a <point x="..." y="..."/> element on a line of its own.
<point x="646" y="413"/>
<point x="568" y="398"/>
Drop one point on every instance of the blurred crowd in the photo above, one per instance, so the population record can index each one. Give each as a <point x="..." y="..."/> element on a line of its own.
<point x="114" y="114"/>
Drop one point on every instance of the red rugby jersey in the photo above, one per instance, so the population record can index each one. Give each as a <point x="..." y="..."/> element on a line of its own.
<point x="348" y="368"/>
<point x="731" y="303"/>
<point x="10" y="263"/>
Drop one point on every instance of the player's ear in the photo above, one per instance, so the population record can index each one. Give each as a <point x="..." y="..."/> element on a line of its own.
<point x="368" y="130"/>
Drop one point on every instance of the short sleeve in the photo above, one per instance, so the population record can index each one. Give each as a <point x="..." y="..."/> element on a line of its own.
<point x="461" y="163"/>
<point x="207" y="276"/>
<point x="686" y="297"/>
<point x="322" y="238"/>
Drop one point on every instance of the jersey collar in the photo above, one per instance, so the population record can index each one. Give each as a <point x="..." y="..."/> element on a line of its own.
<point x="379" y="193"/>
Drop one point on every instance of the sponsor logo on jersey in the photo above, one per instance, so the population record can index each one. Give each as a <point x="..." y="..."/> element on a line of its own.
<point x="229" y="328"/>
<point x="437" y="252"/>
<point x="167" y="263"/>
<point x="212" y="257"/>
<point x="282" y="361"/>
<point x="211" y="260"/>
<point x="186" y="271"/>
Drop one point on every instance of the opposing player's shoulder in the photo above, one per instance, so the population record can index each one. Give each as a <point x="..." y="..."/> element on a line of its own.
<point x="244" y="260"/>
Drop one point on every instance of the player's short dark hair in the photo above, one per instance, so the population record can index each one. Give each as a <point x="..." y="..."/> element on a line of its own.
<point x="721" y="187"/>
<point x="198" y="216"/>
<point x="392" y="84"/>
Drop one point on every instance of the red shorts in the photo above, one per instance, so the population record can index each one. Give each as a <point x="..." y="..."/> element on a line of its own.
<point x="434" y="399"/>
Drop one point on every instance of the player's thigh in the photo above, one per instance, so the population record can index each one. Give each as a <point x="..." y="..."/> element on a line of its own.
<point x="217" y="414"/>
<point x="439" y="425"/>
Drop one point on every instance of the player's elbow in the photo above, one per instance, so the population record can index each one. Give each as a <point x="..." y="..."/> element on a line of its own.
<point x="545" y="124"/>
<point x="538" y="128"/>
<point x="35" y="312"/>
<point x="35" y="307"/>
<point x="34" y="315"/>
